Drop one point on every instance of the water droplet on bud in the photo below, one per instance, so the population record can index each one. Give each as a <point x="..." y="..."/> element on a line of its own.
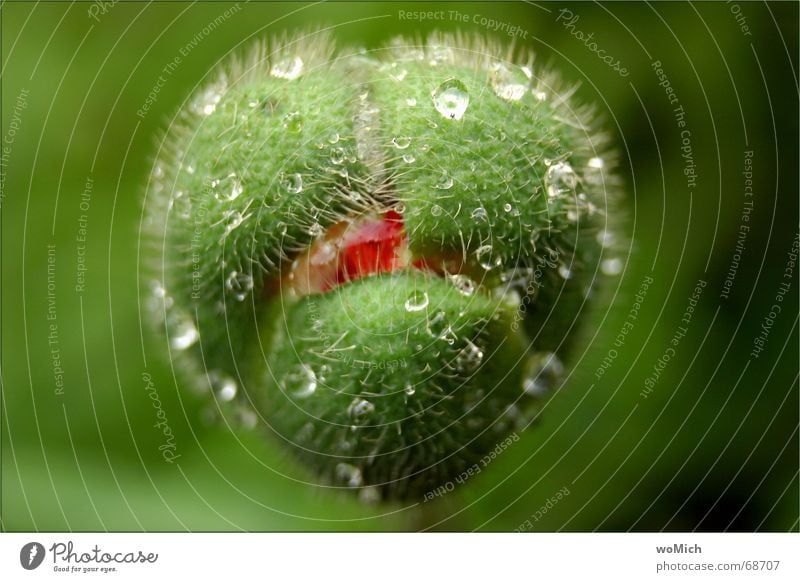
<point x="292" y="183"/>
<point x="469" y="358"/>
<point x="401" y="142"/>
<point x="287" y="68"/>
<point x="479" y="213"/>
<point x="239" y="284"/>
<point x="417" y="301"/>
<point x="560" y="179"/>
<point x="337" y="155"/>
<point x="227" y="188"/>
<point x="463" y="284"/>
<point x="293" y="122"/>
<point x="451" y="99"/>
<point x="300" y="382"/>
<point x="504" y="83"/>
<point x="485" y="258"/>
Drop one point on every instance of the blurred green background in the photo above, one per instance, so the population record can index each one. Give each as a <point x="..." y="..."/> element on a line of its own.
<point x="714" y="446"/>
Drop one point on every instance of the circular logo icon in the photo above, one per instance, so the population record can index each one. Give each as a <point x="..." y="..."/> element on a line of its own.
<point x="31" y="555"/>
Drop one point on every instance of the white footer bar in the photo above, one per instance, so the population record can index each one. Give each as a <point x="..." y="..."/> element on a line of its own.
<point x="399" y="557"/>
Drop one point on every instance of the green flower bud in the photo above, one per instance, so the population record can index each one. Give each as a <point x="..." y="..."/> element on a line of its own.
<point x="379" y="257"/>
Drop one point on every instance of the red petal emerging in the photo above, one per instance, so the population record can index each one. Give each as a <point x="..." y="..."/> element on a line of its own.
<point x="350" y="250"/>
<point x="374" y="246"/>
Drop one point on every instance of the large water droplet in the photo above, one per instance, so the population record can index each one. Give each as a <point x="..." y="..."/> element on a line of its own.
<point x="410" y="389"/>
<point x="227" y="188"/>
<point x="239" y="284"/>
<point x="300" y="382"/>
<point x="463" y="284"/>
<point x="287" y="68"/>
<point x="469" y="358"/>
<point x="401" y="142"/>
<point x="451" y="99"/>
<point x="411" y="102"/>
<point x="409" y="158"/>
<point x="560" y="179"/>
<point x="505" y="84"/>
<point x="417" y="301"/>
<point x="485" y="257"/>
<point x="445" y="182"/>
<point x="292" y="183"/>
<point x="337" y="155"/>
<point x="564" y="272"/>
<point x="293" y="122"/>
<point x="479" y="213"/>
